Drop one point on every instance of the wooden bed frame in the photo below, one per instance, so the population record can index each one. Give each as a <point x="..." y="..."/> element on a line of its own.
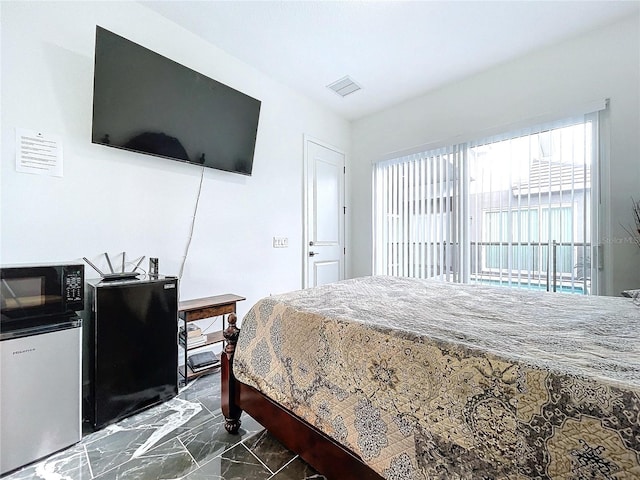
<point x="316" y="448"/>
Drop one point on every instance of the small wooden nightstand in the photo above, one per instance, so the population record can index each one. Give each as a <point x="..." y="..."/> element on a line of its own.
<point x="198" y="309"/>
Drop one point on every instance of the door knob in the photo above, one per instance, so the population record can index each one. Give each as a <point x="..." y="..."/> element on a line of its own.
<point x="311" y="243"/>
<point x="313" y="254"/>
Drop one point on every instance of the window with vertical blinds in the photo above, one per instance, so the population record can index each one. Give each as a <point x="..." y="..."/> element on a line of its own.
<point x="514" y="209"/>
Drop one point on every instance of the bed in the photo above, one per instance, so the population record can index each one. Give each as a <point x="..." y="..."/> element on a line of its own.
<point x="384" y="377"/>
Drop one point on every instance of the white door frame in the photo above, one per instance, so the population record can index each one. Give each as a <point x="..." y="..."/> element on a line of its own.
<point x="305" y="220"/>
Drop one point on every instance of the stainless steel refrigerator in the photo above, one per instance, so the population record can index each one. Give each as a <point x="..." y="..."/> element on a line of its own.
<point x="39" y="390"/>
<point x="131" y="345"/>
<point x="40" y="360"/>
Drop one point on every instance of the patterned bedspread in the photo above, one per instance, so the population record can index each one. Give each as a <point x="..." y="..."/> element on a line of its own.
<point x="432" y="380"/>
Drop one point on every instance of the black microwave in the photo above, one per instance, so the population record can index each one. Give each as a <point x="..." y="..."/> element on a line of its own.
<point x="29" y="291"/>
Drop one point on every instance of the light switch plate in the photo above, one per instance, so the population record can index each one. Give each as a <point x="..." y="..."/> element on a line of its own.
<point x="280" y="242"/>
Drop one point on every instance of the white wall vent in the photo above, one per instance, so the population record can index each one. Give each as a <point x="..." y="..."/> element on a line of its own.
<point x="345" y="86"/>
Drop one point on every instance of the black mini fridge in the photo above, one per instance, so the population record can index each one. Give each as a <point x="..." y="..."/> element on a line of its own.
<point x="130" y="347"/>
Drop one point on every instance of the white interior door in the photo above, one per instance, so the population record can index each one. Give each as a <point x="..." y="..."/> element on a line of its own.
<point x="325" y="213"/>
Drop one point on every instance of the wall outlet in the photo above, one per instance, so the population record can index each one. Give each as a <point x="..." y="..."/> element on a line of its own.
<point x="280" y="242"/>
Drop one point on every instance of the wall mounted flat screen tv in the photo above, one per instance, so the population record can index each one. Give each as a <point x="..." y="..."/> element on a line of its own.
<point x="147" y="103"/>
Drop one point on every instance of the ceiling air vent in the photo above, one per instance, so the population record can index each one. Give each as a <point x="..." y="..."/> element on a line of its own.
<point x="344" y="86"/>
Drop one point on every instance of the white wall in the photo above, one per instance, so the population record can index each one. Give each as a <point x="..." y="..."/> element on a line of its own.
<point x="114" y="201"/>
<point x="542" y="86"/>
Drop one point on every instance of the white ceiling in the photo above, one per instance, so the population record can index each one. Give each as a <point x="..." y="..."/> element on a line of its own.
<point x="395" y="49"/>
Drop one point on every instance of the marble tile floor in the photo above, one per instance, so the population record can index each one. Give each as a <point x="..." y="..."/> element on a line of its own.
<point x="183" y="438"/>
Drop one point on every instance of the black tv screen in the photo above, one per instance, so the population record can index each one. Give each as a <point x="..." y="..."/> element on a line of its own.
<point x="147" y="103"/>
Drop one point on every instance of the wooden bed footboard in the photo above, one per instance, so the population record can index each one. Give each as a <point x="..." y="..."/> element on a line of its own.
<point x="230" y="409"/>
<point x="319" y="450"/>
